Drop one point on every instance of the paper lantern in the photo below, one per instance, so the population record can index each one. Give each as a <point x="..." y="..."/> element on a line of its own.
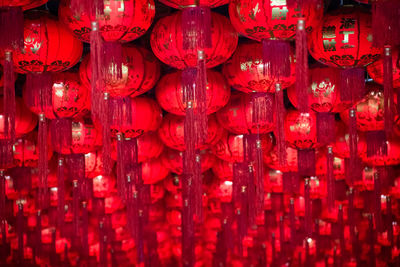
<point x="230" y="147"/>
<point x="392" y="157"/>
<point x="85" y="138"/>
<point x="344" y="39"/>
<point x="237" y="115"/>
<point x="166" y="42"/>
<point x="146" y="116"/>
<point x="122" y="21"/>
<point x="25" y="4"/>
<point x="25" y="120"/>
<point x="25" y="151"/>
<point x="153" y="171"/>
<point x="301" y="130"/>
<point x="48" y="46"/>
<point x="223" y="170"/>
<point x="171" y="132"/>
<point x="271" y="19"/>
<point x="271" y="159"/>
<point x="245" y="70"/>
<point x="140" y="72"/>
<point x="172" y="159"/>
<point x="103" y="186"/>
<point x="375" y="70"/>
<point x="189" y="3"/>
<point x="169" y="92"/>
<point x="93" y="164"/>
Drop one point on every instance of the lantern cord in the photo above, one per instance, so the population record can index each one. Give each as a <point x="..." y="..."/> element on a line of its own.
<point x="388" y="90"/>
<point x="302" y="66"/>
<point x="9" y="96"/>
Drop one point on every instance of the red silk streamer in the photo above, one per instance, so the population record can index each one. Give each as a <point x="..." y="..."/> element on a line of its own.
<point x="306" y="162"/>
<point x="330" y="179"/>
<point x="61" y="132"/>
<point x="20" y="233"/>
<point x="341" y="230"/>
<point x="240" y="201"/>
<point x="302" y="66"/>
<point x="376" y="143"/>
<point x="94" y="7"/>
<point x="352" y="84"/>
<point x="325" y="127"/>
<point x="388" y="90"/>
<point x="280" y="112"/>
<point x="292" y="223"/>
<point x="3" y="211"/>
<point x="389" y="222"/>
<point x="75" y="210"/>
<point x="85" y="230"/>
<point x="38" y="245"/>
<point x="385" y="22"/>
<point x="276" y="58"/>
<point x="60" y="195"/>
<point x="377" y="206"/>
<point x="96" y="58"/>
<point x="307" y="209"/>
<point x="106" y="133"/>
<point x="11" y="28"/>
<point x="188" y="232"/>
<point x="42" y="162"/>
<point x="350" y="218"/>
<point x="353" y="147"/>
<point x="103" y="244"/>
<point x="9" y="96"/>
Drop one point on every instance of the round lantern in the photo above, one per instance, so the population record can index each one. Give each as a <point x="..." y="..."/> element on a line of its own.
<point x="223" y="170"/>
<point x="321" y="165"/>
<point x="25" y="4"/>
<point x="375" y="70"/>
<point x="48" y="46"/>
<point x="167" y="44"/>
<point x="344" y="39"/>
<point x="230" y="147"/>
<point x="173" y="160"/>
<point x="69" y="97"/>
<point x="189" y="3"/>
<point x="270" y="19"/>
<point x="271" y="159"/>
<point x="392" y="157"/>
<point x="245" y="70"/>
<point x="169" y="92"/>
<point x="237" y="115"/>
<point x="122" y="21"/>
<point x="153" y="171"/>
<point x="171" y="132"/>
<point x="369" y="110"/>
<point x="93" y="164"/>
<point x="25" y="120"/>
<point x="25" y="151"/>
<point x="301" y="129"/>
<point x="146" y="116"/>
<point x="140" y="72"/>
<point x="103" y="186"/>
<point x="85" y="139"/>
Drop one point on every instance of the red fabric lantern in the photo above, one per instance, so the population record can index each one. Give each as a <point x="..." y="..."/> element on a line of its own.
<point x="140" y="72"/>
<point x="172" y="159"/>
<point x="230" y="147"/>
<point x="167" y="44"/>
<point x="344" y="39"/>
<point x="171" y="132"/>
<point x="338" y="166"/>
<point x="153" y="171"/>
<point x="375" y="70"/>
<point x="25" y="120"/>
<point x="237" y="115"/>
<point x="169" y="92"/>
<point x="103" y="186"/>
<point x="48" y="46"/>
<point x="122" y="21"/>
<point x="392" y="157"/>
<point x="271" y="19"/>
<point x="25" y="151"/>
<point x="223" y="170"/>
<point x="146" y="116"/>
<point x="69" y="98"/>
<point x="25" y="4"/>
<point x="301" y="130"/>
<point x="85" y="138"/>
<point x="189" y="3"/>
<point x="245" y="71"/>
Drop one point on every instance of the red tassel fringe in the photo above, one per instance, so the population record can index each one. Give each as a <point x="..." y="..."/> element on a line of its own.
<point x="42" y="162"/>
<point x="306" y="162"/>
<point x="9" y="96"/>
<point x="112" y="61"/>
<point x="353" y="146"/>
<point x="60" y="195"/>
<point x="280" y="112"/>
<point x="276" y="58"/>
<point x="385" y="22"/>
<point x="11" y="28"/>
<point x="96" y="58"/>
<point x="376" y="143"/>
<point x="388" y="90"/>
<point x="325" y="127"/>
<point x="330" y="179"/>
<point x="196" y="28"/>
<point x="352" y="84"/>
<point x="94" y="8"/>
<point x="307" y="209"/>
<point x="61" y="132"/>
<point x="302" y="66"/>
<point x="378" y="208"/>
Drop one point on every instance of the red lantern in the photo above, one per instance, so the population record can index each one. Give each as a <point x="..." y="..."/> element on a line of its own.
<point x="392" y="157"/>
<point x="338" y="166"/>
<point x="171" y="132"/>
<point x="223" y="170"/>
<point x="103" y="186"/>
<point x="341" y="145"/>
<point x="375" y="70"/>
<point x="237" y="115"/>
<point x="167" y="44"/>
<point x="271" y="159"/>
<point x="69" y="97"/>
<point x="270" y="19"/>
<point x="169" y="92"/>
<point x="188" y="3"/>
<point x="48" y="46"/>
<point x="25" y="151"/>
<point x="344" y="39"/>
<point x="122" y="21"/>
<point x="25" y="120"/>
<point x="25" y="4"/>
<point x="301" y="130"/>
<point x="157" y="192"/>
<point x="153" y="171"/>
<point x="93" y="164"/>
<point x="146" y="116"/>
<point x="245" y="70"/>
<point x="172" y="159"/>
<point x="230" y="147"/>
<point x="140" y="72"/>
<point x="85" y="139"/>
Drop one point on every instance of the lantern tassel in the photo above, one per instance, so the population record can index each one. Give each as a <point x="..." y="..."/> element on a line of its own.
<point x="61" y="132"/>
<point x="307" y="208"/>
<point x="42" y="162"/>
<point x="38" y="245"/>
<point x="3" y="212"/>
<point x="75" y="209"/>
<point x="378" y="208"/>
<point x="280" y="112"/>
<point x="306" y="162"/>
<point x="259" y="178"/>
<point x="385" y="23"/>
<point x="20" y="232"/>
<point x="11" y="28"/>
<point x="325" y="127"/>
<point x="196" y="28"/>
<point x="85" y="230"/>
<point x="6" y="153"/>
<point x="93" y="8"/>
<point x="9" y="97"/>
<point x="388" y="90"/>
<point x="276" y="58"/>
<point x="301" y="66"/>
<point x="112" y="61"/>
<point x="330" y="179"/>
<point x="106" y="133"/>
<point x="352" y="84"/>
<point x="97" y="80"/>
<point x="353" y="147"/>
<point x="60" y="195"/>
<point x="376" y="143"/>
